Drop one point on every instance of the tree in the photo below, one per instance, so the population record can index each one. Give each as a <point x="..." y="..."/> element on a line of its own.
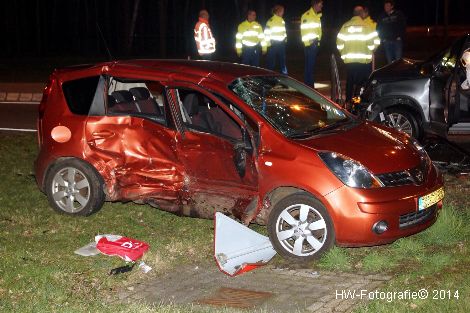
<point x="135" y="12"/>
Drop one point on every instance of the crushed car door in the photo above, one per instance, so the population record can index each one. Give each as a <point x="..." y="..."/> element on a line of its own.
<point x="217" y="154"/>
<point x="444" y="88"/>
<point x="134" y="149"/>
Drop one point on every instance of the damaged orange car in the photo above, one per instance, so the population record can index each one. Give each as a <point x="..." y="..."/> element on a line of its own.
<point x="195" y="138"/>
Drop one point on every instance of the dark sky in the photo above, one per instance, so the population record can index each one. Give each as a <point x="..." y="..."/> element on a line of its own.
<point x="164" y="27"/>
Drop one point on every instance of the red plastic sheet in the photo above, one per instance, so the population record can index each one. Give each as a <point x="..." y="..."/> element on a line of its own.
<point x="128" y="249"/>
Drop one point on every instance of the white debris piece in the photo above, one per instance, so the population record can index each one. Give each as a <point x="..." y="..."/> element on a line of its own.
<point x="239" y="249"/>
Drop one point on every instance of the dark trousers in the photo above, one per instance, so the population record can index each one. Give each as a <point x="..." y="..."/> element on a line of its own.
<point x="250" y="55"/>
<point x="393" y="50"/>
<point x="357" y="74"/>
<point x="277" y="51"/>
<point x="310" y="58"/>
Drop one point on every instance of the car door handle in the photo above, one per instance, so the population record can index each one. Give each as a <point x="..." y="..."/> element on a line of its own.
<point x="102" y="134"/>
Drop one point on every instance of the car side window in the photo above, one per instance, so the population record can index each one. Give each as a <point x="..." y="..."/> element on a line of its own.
<point x="200" y="113"/>
<point x="449" y="60"/>
<point x="141" y="98"/>
<point x="79" y="94"/>
<point x="246" y="120"/>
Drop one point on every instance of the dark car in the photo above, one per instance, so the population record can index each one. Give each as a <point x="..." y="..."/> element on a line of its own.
<point x="195" y="138"/>
<point x="420" y="96"/>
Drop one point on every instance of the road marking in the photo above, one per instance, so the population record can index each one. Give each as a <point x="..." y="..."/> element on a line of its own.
<point x="19" y="102"/>
<point x="19" y="129"/>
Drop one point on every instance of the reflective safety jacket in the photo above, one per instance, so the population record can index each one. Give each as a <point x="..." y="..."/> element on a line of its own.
<point x="355" y="41"/>
<point x="275" y="30"/>
<point x="205" y="42"/>
<point x="373" y="25"/>
<point x="310" y="27"/>
<point x="249" y="34"/>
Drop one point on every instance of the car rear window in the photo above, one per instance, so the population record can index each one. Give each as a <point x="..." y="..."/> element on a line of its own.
<point x="79" y="94"/>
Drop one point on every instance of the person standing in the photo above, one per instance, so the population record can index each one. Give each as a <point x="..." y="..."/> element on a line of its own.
<point x="205" y="42"/>
<point x="391" y="27"/>
<point x="249" y="38"/>
<point x="373" y="25"/>
<point x="276" y="36"/>
<point x="355" y="42"/>
<point x="311" y="31"/>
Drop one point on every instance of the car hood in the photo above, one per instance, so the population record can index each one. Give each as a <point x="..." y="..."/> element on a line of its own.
<point x="380" y="149"/>
<point x="398" y="70"/>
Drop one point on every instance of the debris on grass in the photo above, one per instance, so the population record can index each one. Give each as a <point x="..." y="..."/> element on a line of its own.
<point x="239" y="249"/>
<point x="88" y="250"/>
<point x="126" y="248"/>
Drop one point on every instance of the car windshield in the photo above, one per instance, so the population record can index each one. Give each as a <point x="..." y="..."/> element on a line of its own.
<point x="292" y="108"/>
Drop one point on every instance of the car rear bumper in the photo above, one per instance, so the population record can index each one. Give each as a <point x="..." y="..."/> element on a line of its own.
<point x="356" y="211"/>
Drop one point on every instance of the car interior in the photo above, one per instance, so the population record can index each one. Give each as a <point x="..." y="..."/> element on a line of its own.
<point x="136" y="98"/>
<point x="203" y="114"/>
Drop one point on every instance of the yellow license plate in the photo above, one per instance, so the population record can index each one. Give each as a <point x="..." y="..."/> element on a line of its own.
<point x="434" y="197"/>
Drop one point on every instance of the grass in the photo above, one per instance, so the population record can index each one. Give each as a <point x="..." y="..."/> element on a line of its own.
<point x="335" y="259"/>
<point x="39" y="271"/>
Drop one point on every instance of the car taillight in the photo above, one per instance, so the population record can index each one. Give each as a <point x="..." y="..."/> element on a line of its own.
<point x="45" y="95"/>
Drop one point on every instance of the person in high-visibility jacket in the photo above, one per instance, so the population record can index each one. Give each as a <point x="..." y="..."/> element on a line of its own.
<point x="355" y="42"/>
<point x="373" y="25"/>
<point x="311" y="31"/>
<point x="249" y="39"/>
<point x="366" y="17"/>
<point x="276" y="36"/>
<point x="205" y="42"/>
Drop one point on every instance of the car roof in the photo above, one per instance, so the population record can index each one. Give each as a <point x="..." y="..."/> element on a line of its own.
<point x="179" y="69"/>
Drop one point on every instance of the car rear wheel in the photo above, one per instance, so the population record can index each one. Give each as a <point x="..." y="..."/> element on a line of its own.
<point x="403" y="121"/>
<point x="300" y="228"/>
<point x="74" y="188"/>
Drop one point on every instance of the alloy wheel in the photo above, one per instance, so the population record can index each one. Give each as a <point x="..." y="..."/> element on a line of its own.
<point x="399" y="122"/>
<point x="301" y="230"/>
<point x="70" y="190"/>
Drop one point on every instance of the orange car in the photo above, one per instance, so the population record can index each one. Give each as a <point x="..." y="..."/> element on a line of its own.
<point x="196" y="137"/>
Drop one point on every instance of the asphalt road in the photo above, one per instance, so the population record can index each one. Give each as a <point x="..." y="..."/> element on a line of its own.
<point x="18" y="116"/>
<point x="21" y="117"/>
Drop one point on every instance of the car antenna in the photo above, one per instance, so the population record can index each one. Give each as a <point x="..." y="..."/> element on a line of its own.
<point x="104" y="42"/>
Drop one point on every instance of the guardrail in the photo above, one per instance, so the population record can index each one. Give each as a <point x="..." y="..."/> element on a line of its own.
<point x="34" y="97"/>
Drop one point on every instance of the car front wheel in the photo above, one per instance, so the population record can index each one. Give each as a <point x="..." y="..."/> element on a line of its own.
<point x="402" y="121"/>
<point x="73" y="187"/>
<point x="300" y="228"/>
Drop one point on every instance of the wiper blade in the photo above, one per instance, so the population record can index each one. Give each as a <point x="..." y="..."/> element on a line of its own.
<point x="310" y="132"/>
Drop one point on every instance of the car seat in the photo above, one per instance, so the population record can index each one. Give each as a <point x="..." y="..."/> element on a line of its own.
<point x="124" y="102"/>
<point x="195" y="112"/>
<point x="144" y="101"/>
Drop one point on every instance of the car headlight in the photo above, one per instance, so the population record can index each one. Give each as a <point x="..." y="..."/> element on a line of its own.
<point x="418" y="146"/>
<point x="422" y="152"/>
<point x="349" y="171"/>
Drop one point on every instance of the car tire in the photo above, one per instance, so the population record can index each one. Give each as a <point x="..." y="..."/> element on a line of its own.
<point x="402" y="120"/>
<point x="290" y="226"/>
<point x="74" y="187"/>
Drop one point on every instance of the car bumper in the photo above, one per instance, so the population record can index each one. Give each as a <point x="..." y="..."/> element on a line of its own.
<point x="356" y="211"/>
